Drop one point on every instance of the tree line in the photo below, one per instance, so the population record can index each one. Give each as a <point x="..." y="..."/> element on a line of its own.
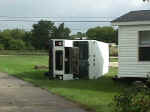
<point x="41" y="32"/>
<point x="106" y="34"/>
<point x="37" y="38"/>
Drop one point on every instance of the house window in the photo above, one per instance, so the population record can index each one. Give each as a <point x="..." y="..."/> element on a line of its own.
<point x="144" y="46"/>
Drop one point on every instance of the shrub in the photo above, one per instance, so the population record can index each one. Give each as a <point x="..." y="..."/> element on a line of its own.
<point x="135" y="99"/>
<point x="2" y="47"/>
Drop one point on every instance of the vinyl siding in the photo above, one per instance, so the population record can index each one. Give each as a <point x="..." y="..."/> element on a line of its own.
<point x="129" y="66"/>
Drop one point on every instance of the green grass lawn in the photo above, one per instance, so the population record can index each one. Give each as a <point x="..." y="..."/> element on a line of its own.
<point x="94" y="94"/>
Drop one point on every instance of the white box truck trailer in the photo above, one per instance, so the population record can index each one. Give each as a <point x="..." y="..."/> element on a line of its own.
<point x="71" y="59"/>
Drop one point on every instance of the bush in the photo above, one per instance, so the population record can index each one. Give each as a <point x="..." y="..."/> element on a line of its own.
<point x="2" y="47"/>
<point x="135" y="99"/>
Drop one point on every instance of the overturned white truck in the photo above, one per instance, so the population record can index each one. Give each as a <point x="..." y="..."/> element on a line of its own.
<point x="75" y="59"/>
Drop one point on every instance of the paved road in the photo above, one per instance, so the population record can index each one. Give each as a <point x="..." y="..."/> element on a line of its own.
<point x="19" y="96"/>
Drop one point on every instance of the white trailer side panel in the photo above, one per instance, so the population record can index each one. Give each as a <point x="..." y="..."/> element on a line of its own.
<point x="104" y="49"/>
<point x="98" y="59"/>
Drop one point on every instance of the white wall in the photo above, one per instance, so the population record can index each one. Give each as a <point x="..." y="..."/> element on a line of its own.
<point x="129" y="66"/>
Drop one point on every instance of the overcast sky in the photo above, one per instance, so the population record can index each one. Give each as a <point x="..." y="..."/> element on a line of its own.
<point x="67" y="8"/>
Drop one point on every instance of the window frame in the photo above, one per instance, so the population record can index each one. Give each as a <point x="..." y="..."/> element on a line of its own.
<point x="139" y="46"/>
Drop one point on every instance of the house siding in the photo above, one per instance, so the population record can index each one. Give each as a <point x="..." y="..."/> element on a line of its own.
<point x="129" y="65"/>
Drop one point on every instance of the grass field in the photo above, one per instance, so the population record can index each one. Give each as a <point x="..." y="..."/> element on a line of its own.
<point x="23" y="52"/>
<point x="94" y="94"/>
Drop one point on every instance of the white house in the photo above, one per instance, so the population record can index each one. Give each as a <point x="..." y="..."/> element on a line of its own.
<point x="134" y="44"/>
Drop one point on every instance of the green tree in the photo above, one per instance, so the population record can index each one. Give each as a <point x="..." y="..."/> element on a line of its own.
<point x="16" y="45"/>
<point x="61" y="32"/>
<point x="38" y="38"/>
<point x="2" y="47"/>
<point x="14" y="39"/>
<point x="28" y="40"/>
<point x="78" y="35"/>
<point x="5" y="37"/>
<point x="105" y="34"/>
<point x="41" y="33"/>
<point x="17" y="34"/>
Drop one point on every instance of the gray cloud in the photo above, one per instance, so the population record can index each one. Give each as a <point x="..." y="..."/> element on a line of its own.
<point x="67" y="8"/>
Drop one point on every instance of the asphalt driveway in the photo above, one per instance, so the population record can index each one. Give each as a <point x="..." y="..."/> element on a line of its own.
<point x="19" y="96"/>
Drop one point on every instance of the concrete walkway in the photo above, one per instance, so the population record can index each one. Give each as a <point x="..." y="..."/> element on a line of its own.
<point x="19" y="96"/>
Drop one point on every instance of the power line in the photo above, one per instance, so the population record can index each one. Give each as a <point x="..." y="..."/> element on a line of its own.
<point x="65" y="21"/>
<point x="53" y="17"/>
